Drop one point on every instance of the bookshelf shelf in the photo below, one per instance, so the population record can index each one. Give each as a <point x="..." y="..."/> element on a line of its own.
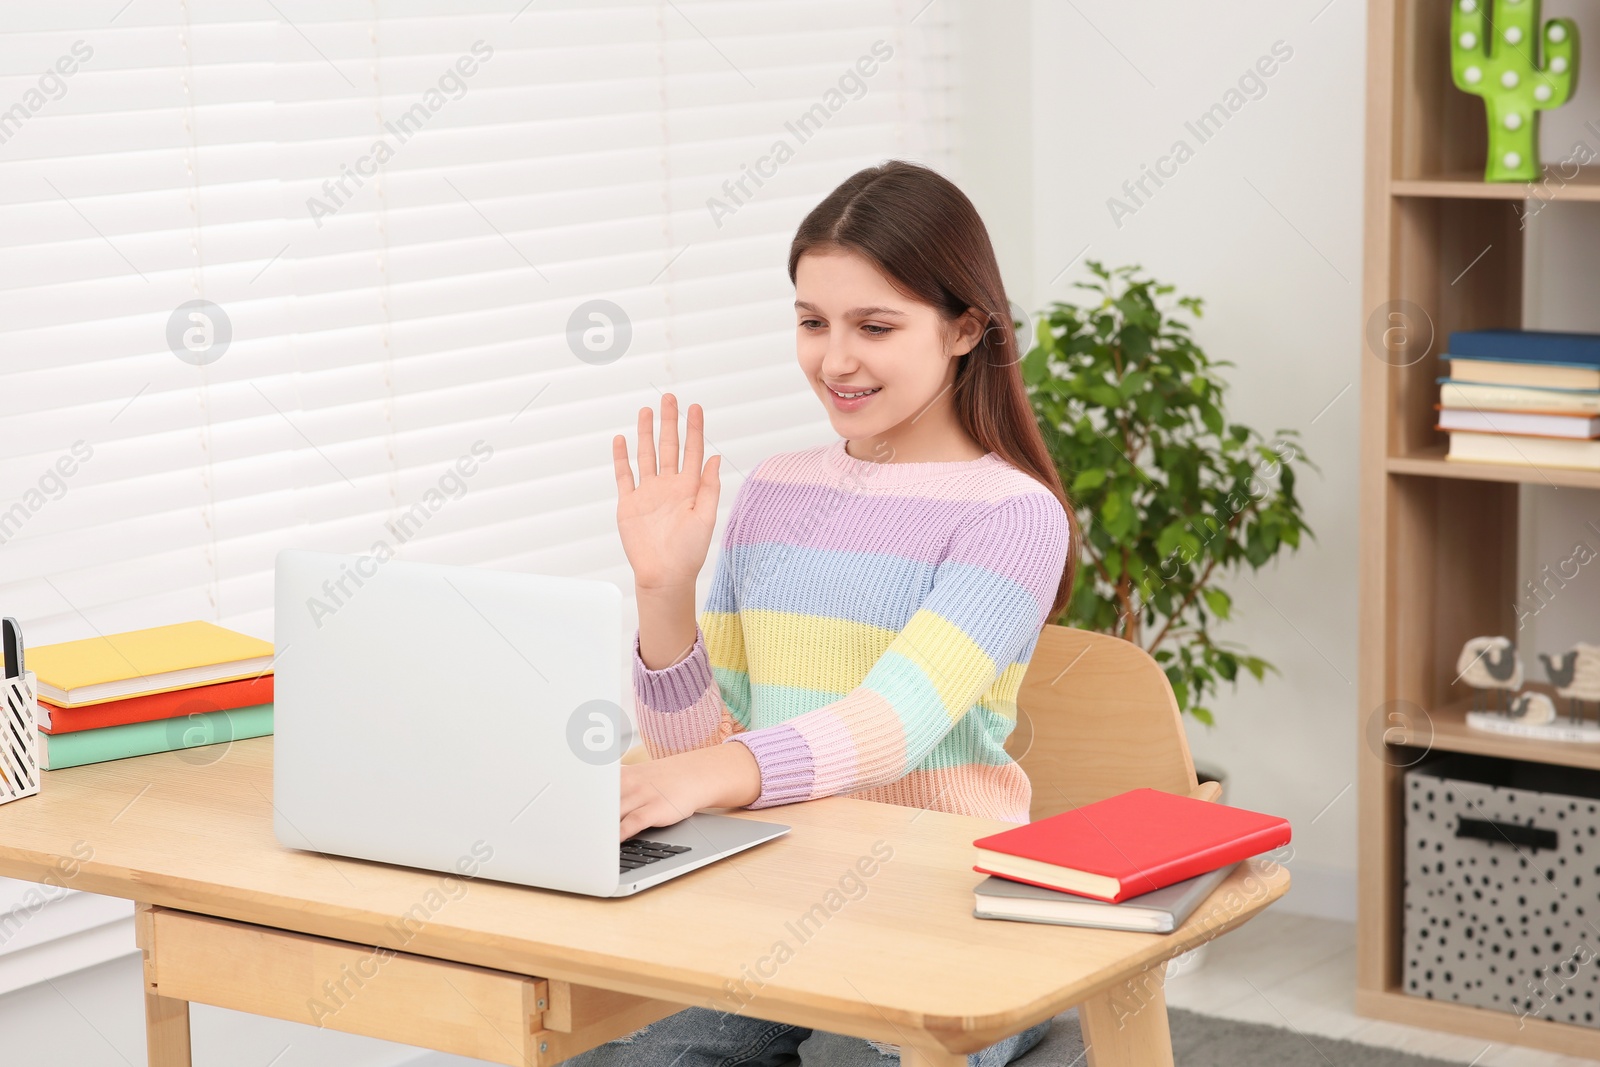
<point x="1430" y="462"/>
<point x="1559" y="183"/>
<point x="1499" y="1027"/>
<point x="1446" y="730"/>
<point x="1439" y="544"/>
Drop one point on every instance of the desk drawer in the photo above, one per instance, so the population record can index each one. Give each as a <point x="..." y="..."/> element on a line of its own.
<point x="378" y="992"/>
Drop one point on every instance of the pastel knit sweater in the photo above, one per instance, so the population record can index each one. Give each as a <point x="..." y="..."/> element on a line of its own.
<point x="866" y="630"/>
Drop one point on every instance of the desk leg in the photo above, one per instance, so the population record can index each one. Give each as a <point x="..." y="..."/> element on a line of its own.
<point x="166" y="1020"/>
<point x="166" y="1031"/>
<point x="910" y="1056"/>
<point x="1126" y="1026"/>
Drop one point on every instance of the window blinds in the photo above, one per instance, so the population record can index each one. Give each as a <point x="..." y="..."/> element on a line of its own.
<point x="277" y="272"/>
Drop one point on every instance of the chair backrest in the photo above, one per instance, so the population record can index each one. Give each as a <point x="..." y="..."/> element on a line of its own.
<point x="1096" y="717"/>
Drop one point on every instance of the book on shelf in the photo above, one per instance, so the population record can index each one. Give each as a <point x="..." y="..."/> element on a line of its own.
<point x="1529" y="423"/>
<point x="1159" y="911"/>
<point x="1530" y="346"/>
<point x="1128" y="844"/>
<point x="159" y="659"/>
<point x="57" y="751"/>
<point x="1468" y="447"/>
<point x="1523" y="373"/>
<point x="195" y="700"/>
<point x="1488" y="397"/>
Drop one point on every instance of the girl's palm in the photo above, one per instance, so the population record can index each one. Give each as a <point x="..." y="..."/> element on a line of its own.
<point x="666" y="520"/>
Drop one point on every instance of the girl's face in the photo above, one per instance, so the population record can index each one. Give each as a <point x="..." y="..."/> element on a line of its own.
<point x="857" y="333"/>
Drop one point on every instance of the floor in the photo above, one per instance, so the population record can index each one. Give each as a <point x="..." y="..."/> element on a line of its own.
<point x="1300" y="972"/>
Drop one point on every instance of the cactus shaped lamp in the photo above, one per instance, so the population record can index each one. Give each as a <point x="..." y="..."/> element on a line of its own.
<point x="1498" y="59"/>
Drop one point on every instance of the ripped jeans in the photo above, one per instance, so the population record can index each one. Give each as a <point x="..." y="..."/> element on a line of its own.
<point x="701" y="1037"/>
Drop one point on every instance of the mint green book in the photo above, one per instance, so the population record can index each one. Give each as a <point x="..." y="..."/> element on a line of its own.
<point x="159" y="735"/>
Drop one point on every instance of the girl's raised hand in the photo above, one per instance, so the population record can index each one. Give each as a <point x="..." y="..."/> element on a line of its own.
<point x="666" y="520"/>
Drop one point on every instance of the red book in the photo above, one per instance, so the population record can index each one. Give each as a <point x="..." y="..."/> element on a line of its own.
<point x="1135" y="842"/>
<point x="178" y="703"/>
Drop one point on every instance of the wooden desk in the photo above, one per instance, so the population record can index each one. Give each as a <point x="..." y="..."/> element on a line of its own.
<point x="820" y="931"/>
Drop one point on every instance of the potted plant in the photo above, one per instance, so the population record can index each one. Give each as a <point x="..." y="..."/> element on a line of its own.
<point x="1173" y="498"/>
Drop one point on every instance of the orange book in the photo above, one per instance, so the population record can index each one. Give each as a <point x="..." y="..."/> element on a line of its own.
<point x="178" y="703"/>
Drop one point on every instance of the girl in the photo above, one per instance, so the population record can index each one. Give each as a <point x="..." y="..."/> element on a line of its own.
<point x="876" y="600"/>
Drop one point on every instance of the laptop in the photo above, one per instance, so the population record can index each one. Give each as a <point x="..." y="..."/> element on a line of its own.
<point x="465" y="720"/>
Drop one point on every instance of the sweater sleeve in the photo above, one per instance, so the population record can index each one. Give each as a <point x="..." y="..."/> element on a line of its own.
<point x="990" y="596"/>
<point x="705" y="697"/>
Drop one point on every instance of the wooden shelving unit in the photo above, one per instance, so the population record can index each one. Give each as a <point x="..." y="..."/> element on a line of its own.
<point x="1445" y="730"/>
<point x="1430" y="463"/>
<point x="1578" y="183"/>
<point x="1439" y="540"/>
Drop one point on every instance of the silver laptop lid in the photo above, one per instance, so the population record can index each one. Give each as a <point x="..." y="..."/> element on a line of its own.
<point x="450" y="718"/>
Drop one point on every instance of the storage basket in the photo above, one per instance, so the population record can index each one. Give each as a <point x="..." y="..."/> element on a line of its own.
<point x="19" y="718"/>
<point x="1502" y="887"/>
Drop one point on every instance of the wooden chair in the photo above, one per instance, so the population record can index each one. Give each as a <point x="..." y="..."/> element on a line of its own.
<point x="1096" y="717"/>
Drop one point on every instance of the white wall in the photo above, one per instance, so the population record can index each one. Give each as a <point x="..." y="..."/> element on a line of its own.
<point x="1561" y="527"/>
<point x="1263" y="221"/>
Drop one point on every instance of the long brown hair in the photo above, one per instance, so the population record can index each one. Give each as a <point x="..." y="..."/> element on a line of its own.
<point x="925" y="235"/>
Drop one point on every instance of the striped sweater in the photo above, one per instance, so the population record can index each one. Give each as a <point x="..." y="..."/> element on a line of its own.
<point x="866" y="630"/>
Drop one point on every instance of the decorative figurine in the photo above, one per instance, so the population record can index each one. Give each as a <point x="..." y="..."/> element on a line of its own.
<point x="1576" y="677"/>
<point x="1489" y="663"/>
<point x="1532" y="707"/>
<point x="1498" y="59"/>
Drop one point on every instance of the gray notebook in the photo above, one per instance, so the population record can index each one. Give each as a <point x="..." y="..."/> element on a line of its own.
<point x="1160" y="912"/>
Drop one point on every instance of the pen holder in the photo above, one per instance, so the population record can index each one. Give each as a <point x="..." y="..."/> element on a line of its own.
<point x="19" y="722"/>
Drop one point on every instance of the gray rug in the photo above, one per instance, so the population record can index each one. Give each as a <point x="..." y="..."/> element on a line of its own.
<point x="1209" y="1041"/>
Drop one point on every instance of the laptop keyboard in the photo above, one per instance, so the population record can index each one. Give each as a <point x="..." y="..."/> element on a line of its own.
<point x="636" y="852"/>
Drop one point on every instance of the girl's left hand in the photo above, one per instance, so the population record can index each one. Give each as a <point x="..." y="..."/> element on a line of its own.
<point x="663" y="791"/>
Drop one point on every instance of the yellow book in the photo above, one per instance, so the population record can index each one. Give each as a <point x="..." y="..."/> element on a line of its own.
<point x="74" y="674"/>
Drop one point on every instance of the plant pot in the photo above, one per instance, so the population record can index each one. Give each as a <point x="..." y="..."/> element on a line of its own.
<point x="1191" y="961"/>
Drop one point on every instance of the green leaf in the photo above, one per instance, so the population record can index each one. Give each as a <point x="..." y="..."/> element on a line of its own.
<point x="1105" y="395"/>
<point x="1092" y="478"/>
<point x="1168" y="540"/>
<point x="1218" y="601"/>
<point x="1036" y="367"/>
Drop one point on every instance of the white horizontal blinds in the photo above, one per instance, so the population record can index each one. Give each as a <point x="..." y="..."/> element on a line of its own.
<point x="135" y="174"/>
<point x="532" y="159"/>
<point x="570" y="160"/>
<point x="134" y="180"/>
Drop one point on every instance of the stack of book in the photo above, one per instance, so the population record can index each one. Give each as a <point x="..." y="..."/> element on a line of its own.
<point x="155" y="690"/>
<point x="1528" y="397"/>
<point x="1142" y="860"/>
